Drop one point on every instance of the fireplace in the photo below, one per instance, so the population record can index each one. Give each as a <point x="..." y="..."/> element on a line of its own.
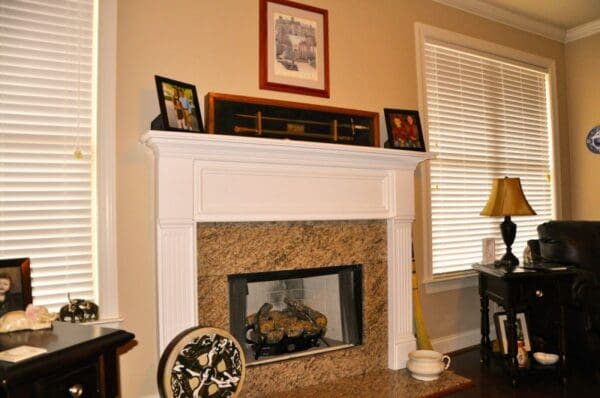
<point x="285" y="314"/>
<point x="202" y="178"/>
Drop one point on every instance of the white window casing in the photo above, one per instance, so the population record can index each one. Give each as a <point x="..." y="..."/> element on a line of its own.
<point x="488" y="114"/>
<point x="51" y="199"/>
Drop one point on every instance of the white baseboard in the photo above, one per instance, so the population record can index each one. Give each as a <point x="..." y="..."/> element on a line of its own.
<point x="459" y="341"/>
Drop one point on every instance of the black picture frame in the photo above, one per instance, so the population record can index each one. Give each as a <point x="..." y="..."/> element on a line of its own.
<point x="500" y="319"/>
<point x="189" y="120"/>
<point x="17" y="271"/>
<point x="404" y="129"/>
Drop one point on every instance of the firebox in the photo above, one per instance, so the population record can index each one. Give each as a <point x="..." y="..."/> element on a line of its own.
<point x="285" y="314"/>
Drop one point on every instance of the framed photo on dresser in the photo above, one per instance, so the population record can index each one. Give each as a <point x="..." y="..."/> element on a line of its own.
<point x="500" y="320"/>
<point x="15" y="284"/>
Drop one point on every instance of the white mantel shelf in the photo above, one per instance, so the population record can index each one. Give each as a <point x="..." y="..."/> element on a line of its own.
<point x="212" y="178"/>
<point x="271" y="150"/>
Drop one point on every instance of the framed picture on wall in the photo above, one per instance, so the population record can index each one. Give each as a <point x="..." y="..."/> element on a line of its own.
<point x="404" y="129"/>
<point x="293" y="48"/>
<point x="179" y="107"/>
<point x="500" y="320"/>
<point x="15" y="285"/>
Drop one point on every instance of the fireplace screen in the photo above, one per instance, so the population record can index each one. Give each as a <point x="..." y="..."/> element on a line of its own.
<point x="284" y="314"/>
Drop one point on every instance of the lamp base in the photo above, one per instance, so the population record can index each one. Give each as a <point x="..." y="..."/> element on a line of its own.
<point x="509" y="231"/>
<point x="508" y="261"/>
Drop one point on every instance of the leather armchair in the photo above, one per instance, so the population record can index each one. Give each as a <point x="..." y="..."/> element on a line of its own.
<point x="576" y="243"/>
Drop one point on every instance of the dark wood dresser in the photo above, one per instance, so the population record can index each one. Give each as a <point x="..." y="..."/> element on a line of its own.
<point x="81" y="361"/>
<point x="524" y="289"/>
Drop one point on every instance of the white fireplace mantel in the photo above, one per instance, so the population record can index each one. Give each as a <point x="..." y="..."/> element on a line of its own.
<point x="203" y="177"/>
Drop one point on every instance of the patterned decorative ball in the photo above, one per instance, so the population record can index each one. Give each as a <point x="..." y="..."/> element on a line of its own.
<point x="202" y="362"/>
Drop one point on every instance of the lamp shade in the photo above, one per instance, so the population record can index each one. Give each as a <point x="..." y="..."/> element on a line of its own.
<point x="507" y="199"/>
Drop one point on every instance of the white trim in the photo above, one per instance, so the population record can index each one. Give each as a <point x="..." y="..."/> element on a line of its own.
<point x="447" y="284"/>
<point x="518" y="21"/>
<point x="106" y="322"/>
<point x="492" y="49"/>
<point x="556" y="143"/>
<point x="506" y="17"/>
<point x="458" y="341"/>
<point x="183" y="189"/>
<point x="581" y="31"/>
<point x="107" y="279"/>
<point x="431" y="32"/>
<point x="401" y="338"/>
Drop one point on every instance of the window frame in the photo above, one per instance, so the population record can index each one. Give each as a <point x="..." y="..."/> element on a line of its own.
<point x="457" y="280"/>
<point x="102" y="182"/>
<point x="105" y="133"/>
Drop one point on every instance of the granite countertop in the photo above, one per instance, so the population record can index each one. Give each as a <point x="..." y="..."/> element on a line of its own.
<point x="383" y="384"/>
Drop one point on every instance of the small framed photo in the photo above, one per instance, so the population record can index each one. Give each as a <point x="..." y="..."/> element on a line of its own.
<point x="15" y="285"/>
<point x="500" y="320"/>
<point x="404" y="129"/>
<point x="179" y="107"/>
<point x="293" y="48"/>
<point x="488" y="250"/>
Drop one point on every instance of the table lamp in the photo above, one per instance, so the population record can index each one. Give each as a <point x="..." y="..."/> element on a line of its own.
<point x="507" y="199"/>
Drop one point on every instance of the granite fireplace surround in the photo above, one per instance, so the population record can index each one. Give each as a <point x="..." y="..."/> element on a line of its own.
<point x="229" y="205"/>
<point x="228" y="248"/>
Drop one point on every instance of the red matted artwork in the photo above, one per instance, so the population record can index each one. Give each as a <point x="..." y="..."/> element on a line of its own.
<point x="294" y="48"/>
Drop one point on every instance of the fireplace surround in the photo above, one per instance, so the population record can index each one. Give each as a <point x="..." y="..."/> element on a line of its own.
<point x="215" y="178"/>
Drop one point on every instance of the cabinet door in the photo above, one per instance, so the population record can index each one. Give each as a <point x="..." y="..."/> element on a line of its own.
<point x="74" y="382"/>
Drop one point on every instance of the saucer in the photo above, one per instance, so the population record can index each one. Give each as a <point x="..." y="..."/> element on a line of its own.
<point x="545" y="358"/>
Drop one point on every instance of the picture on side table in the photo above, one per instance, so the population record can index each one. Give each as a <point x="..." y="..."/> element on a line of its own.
<point x="179" y="107"/>
<point x="404" y="129"/>
<point x="500" y="320"/>
<point x="15" y="285"/>
<point x="293" y="48"/>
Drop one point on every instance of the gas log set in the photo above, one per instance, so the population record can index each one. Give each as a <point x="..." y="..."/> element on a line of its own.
<point x="295" y="328"/>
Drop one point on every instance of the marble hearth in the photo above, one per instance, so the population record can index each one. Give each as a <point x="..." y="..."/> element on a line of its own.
<point x="207" y="180"/>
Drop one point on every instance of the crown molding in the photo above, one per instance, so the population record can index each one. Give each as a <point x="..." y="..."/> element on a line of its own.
<point x="509" y="18"/>
<point x="581" y="31"/>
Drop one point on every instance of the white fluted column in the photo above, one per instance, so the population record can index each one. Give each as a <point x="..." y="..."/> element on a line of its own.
<point x="401" y="339"/>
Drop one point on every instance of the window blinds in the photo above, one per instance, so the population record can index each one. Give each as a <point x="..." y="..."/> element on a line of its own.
<point x="46" y="195"/>
<point x="488" y="118"/>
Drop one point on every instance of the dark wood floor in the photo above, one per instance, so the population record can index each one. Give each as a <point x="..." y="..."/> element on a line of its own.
<point x="494" y="382"/>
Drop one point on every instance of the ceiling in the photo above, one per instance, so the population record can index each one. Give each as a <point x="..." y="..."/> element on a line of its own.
<point x="565" y="14"/>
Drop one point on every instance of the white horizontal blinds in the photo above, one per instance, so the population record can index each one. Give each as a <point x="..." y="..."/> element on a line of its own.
<point x="46" y="53"/>
<point x="488" y="118"/>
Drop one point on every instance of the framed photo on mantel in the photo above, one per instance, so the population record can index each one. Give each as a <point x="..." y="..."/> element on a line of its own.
<point x="293" y="48"/>
<point x="404" y="129"/>
<point x="179" y="109"/>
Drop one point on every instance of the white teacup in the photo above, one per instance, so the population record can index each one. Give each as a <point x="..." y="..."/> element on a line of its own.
<point x="427" y="365"/>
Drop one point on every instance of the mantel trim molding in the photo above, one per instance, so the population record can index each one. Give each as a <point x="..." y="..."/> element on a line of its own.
<point x="219" y="178"/>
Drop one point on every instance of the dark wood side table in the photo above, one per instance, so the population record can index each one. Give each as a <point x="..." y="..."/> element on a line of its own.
<point x="520" y="290"/>
<point x="81" y="361"/>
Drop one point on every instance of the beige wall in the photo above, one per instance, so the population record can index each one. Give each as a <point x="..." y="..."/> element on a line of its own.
<point x="583" y="87"/>
<point x="214" y="45"/>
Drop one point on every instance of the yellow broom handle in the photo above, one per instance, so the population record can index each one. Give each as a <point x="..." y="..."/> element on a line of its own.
<point x="423" y="342"/>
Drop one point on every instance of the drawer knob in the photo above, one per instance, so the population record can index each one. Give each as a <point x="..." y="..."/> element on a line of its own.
<point x="76" y="390"/>
<point x="539" y="293"/>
